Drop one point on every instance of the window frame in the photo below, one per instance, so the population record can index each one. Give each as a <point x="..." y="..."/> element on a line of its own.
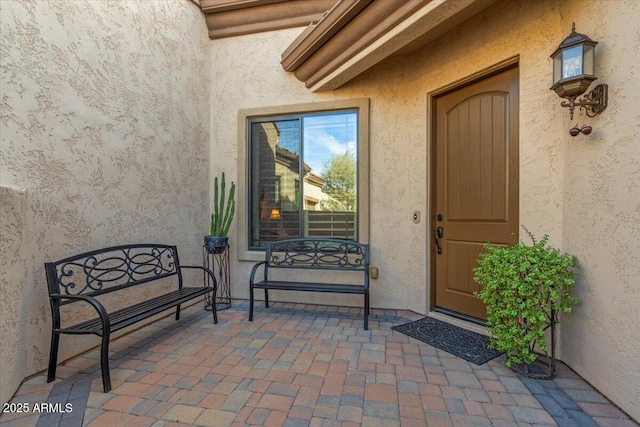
<point x="243" y="204"/>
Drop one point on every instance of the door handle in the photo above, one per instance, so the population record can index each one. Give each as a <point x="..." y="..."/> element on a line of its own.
<point x="439" y="235"/>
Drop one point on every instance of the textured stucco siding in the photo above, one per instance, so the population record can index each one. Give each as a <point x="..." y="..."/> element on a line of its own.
<point x="581" y="191"/>
<point x="601" y="215"/>
<point x="13" y="202"/>
<point x="399" y="129"/>
<point x="105" y="123"/>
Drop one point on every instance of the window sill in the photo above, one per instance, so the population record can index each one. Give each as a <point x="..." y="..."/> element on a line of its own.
<point x="253" y="256"/>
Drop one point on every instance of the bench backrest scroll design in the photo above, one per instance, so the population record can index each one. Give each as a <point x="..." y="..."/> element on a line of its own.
<point x="320" y="253"/>
<point x="107" y="270"/>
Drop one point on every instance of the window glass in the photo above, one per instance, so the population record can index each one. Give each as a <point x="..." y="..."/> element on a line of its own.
<point x="318" y="150"/>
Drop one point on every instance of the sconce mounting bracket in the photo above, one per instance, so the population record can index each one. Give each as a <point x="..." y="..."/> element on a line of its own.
<point x="598" y="99"/>
<point x="593" y="103"/>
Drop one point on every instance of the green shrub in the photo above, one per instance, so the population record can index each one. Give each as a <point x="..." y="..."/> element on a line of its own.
<point x="521" y="285"/>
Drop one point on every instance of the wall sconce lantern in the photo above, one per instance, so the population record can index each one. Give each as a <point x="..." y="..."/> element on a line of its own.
<point x="573" y="65"/>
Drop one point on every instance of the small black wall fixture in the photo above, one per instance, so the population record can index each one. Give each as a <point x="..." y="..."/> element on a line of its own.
<point x="573" y="68"/>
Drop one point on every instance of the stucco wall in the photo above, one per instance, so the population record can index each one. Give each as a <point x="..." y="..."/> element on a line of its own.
<point x="105" y="123"/>
<point x="398" y="91"/>
<point x="563" y="181"/>
<point x="601" y="215"/>
<point x="13" y="202"/>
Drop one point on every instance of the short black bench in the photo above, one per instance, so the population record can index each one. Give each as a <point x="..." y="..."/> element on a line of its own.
<point x="84" y="277"/>
<point x="313" y="254"/>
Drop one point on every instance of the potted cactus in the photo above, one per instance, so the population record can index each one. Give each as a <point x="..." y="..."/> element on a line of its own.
<point x="223" y="210"/>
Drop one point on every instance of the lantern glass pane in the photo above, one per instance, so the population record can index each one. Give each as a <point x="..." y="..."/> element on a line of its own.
<point x="589" y="60"/>
<point x="572" y="62"/>
<point x="557" y="67"/>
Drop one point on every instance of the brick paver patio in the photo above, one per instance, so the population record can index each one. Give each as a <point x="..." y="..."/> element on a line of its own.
<point x="299" y="365"/>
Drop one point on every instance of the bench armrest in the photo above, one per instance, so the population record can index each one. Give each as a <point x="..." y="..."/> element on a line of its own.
<point x="206" y="270"/>
<point x="254" y="270"/>
<point x="104" y="316"/>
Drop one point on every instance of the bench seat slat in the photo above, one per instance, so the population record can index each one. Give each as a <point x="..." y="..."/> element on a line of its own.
<point x="127" y="316"/>
<point x="312" y="287"/>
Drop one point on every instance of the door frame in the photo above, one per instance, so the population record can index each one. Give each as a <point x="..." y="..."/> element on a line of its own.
<point x="432" y="96"/>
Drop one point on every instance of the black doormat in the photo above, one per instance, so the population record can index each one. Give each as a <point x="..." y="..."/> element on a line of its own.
<point x="468" y="345"/>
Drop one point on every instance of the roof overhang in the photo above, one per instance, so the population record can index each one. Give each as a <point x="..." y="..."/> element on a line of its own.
<point x="227" y="18"/>
<point x="343" y="38"/>
<point x="354" y="35"/>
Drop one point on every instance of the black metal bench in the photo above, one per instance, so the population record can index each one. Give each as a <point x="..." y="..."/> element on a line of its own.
<point x="84" y="277"/>
<point x="313" y="254"/>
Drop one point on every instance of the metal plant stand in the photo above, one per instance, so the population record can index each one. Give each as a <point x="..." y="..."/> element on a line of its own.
<point x="216" y="258"/>
<point x="544" y="367"/>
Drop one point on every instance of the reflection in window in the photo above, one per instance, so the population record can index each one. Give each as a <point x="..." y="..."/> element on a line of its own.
<point x="276" y="192"/>
<point x="317" y="150"/>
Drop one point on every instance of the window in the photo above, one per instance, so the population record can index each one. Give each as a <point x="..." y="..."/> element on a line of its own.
<point x="305" y="174"/>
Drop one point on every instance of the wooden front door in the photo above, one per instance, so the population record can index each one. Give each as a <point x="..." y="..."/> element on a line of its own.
<point x="476" y="173"/>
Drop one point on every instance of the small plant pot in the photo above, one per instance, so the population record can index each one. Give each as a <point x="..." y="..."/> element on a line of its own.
<point x="216" y="244"/>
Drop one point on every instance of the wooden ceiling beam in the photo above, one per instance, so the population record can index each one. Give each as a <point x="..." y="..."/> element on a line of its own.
<point x="316" y="35"/>
<point x="228" y="18"/>
<point x="355" y="36"/>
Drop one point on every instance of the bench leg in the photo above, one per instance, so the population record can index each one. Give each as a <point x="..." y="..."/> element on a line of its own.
<point x="178" y="312"/>
<point x="53" y="356"/>
<point x="251" y="303"/>
<point x="366" y="311"/>
<point x="104" y="362"/>
<point x="266" y="298"/>
<point x="214" y="310"/>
